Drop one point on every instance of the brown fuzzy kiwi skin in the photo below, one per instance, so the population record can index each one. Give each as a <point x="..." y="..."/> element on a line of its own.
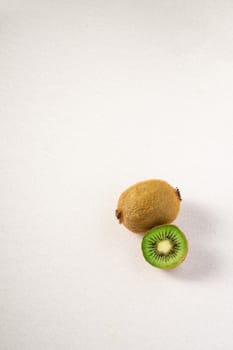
<point x="148" y="204"/>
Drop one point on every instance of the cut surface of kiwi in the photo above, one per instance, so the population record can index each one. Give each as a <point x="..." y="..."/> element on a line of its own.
<point x="165" y="246"/>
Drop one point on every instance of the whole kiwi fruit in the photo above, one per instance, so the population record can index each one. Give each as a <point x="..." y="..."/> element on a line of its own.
<point x="148" y="204"/>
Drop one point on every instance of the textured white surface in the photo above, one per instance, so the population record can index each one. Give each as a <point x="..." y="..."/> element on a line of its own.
<point x="96" y="96"/>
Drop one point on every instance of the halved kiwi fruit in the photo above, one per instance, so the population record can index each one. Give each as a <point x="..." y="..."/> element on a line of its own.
<point x="165" y="246"/>
<point x="148" y="204"/>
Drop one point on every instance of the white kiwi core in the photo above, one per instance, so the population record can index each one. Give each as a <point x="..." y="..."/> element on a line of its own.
<point x="164" y="246"/>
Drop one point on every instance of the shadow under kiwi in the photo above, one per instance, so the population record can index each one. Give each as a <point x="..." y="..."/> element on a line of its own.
<point x="198" y="226"/>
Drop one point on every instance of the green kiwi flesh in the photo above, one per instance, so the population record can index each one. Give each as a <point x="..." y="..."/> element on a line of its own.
<point x="165" y="246"/>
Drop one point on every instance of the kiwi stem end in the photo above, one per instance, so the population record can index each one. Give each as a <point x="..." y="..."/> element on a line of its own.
<point x="178" y="193"/>
<point x="118" y="215"/>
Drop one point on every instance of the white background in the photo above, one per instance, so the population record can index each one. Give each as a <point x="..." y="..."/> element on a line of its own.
<point x="95" y="96"/>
